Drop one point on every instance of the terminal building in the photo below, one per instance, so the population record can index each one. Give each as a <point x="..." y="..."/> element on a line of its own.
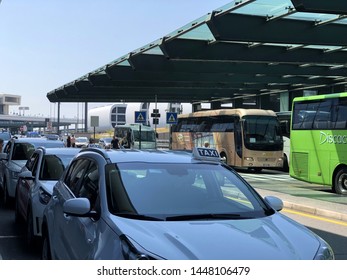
<point x="118" y="114"/>
<point x="7" y="100"/>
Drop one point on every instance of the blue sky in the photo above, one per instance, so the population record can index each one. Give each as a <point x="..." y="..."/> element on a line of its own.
<point x="45" y="44"/>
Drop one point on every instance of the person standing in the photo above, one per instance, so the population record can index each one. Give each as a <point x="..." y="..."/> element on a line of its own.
<point x="68" y="141"/>
<point x="115" y="143"/>
<point x="73" y="141"/>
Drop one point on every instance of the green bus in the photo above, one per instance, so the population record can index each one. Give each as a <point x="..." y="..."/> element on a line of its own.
<point x="318" y="140"/>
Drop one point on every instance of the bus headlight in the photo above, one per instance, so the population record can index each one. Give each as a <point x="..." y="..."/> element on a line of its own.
<point x="248" y="158"/>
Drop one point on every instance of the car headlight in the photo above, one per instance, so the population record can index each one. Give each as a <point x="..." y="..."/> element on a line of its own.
<point x="324" y="252"/>
<point x="44" y="196"/>
<point x="132" y="252"/>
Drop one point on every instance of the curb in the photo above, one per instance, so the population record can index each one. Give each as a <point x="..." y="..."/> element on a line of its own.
<point x="316" y="211"/>
<point x="310" y="206"/>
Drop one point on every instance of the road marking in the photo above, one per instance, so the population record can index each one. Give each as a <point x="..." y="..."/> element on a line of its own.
<point x="266" y="177"/>
<point x="341" y="223"/>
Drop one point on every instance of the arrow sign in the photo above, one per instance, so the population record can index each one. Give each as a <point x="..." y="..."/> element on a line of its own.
<point x="171" y="118"/>
<point x="140" y="116"/>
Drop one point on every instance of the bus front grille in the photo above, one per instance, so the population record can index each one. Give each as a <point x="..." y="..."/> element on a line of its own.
<point x="266" y="159"/>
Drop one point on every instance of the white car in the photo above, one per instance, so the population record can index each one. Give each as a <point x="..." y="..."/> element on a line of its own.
<point x="162" y="204"/>
<point x="35" y="186"/>
<point x="81" y="142"/>
<point x="14" y="156"/>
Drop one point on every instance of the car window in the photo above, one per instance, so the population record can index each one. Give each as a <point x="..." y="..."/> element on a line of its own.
<point x="22" y="151"/>
<point x="32" y="163"/>
<point x="166" y="190"/>
<point x="75" y="173"/>
<point x="82" y="139"/>
<point x="7" y="148"/>
<point x="52" y="168"/>
<point x="89" y="186"/>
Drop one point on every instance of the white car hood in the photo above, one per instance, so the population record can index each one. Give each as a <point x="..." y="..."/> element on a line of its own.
<point x="270" y="238"/>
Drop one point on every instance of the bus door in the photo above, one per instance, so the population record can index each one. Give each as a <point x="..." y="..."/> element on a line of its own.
<point x="237" y="157"/>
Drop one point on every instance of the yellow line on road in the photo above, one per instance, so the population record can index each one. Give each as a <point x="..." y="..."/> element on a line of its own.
<point x="341" y="223"/>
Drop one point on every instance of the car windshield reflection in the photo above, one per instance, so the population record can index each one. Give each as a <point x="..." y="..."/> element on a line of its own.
<point x="180" y="192"/>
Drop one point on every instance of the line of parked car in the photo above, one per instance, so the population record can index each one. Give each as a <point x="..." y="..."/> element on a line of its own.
<point x="97" y="203"/>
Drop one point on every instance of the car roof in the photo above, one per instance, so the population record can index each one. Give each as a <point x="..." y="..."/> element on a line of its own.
<point x="60" y="151"/>
<point x="155" y="156"/>
<point x="33" y="140"/>
<point x="36" y="141"/>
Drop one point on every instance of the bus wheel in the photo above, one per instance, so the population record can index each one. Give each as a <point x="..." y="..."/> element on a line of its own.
<point x="340" y="181"/>
<point x="285" y="164"/>
<point x="256" y="169"/>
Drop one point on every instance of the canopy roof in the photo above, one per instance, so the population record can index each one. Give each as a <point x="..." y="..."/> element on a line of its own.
<point x="245" y="48"/>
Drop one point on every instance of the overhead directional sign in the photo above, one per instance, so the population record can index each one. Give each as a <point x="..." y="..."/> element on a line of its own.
<point x="171" y="118"/>
<point x="140" y="116"/>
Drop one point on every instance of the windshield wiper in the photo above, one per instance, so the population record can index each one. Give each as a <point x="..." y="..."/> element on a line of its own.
<point x="138" y="216"/>
<point x="211" y="216"/>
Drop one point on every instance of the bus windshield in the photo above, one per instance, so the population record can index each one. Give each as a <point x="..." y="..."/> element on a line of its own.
<point x="145" y="136"/>
<point x="262" y="132"/>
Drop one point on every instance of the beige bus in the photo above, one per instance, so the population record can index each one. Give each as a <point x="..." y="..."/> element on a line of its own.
<point x="249" y="138"/>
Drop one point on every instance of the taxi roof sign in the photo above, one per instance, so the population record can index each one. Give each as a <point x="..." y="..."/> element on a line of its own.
<point x="206" y="154"/>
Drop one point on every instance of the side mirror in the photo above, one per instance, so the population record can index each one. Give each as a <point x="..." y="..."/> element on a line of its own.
<point x="275" y="202"/>
<point x="3" y="156"/>
<point x="26" y="175"/>
<point x="79" y="207"/>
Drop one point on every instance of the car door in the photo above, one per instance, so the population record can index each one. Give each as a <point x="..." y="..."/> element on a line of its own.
<point x="83" y="241"/>
<point x="75" y="237"/>
<point x="3" y="162"/>
<point x="24" y="184"/>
